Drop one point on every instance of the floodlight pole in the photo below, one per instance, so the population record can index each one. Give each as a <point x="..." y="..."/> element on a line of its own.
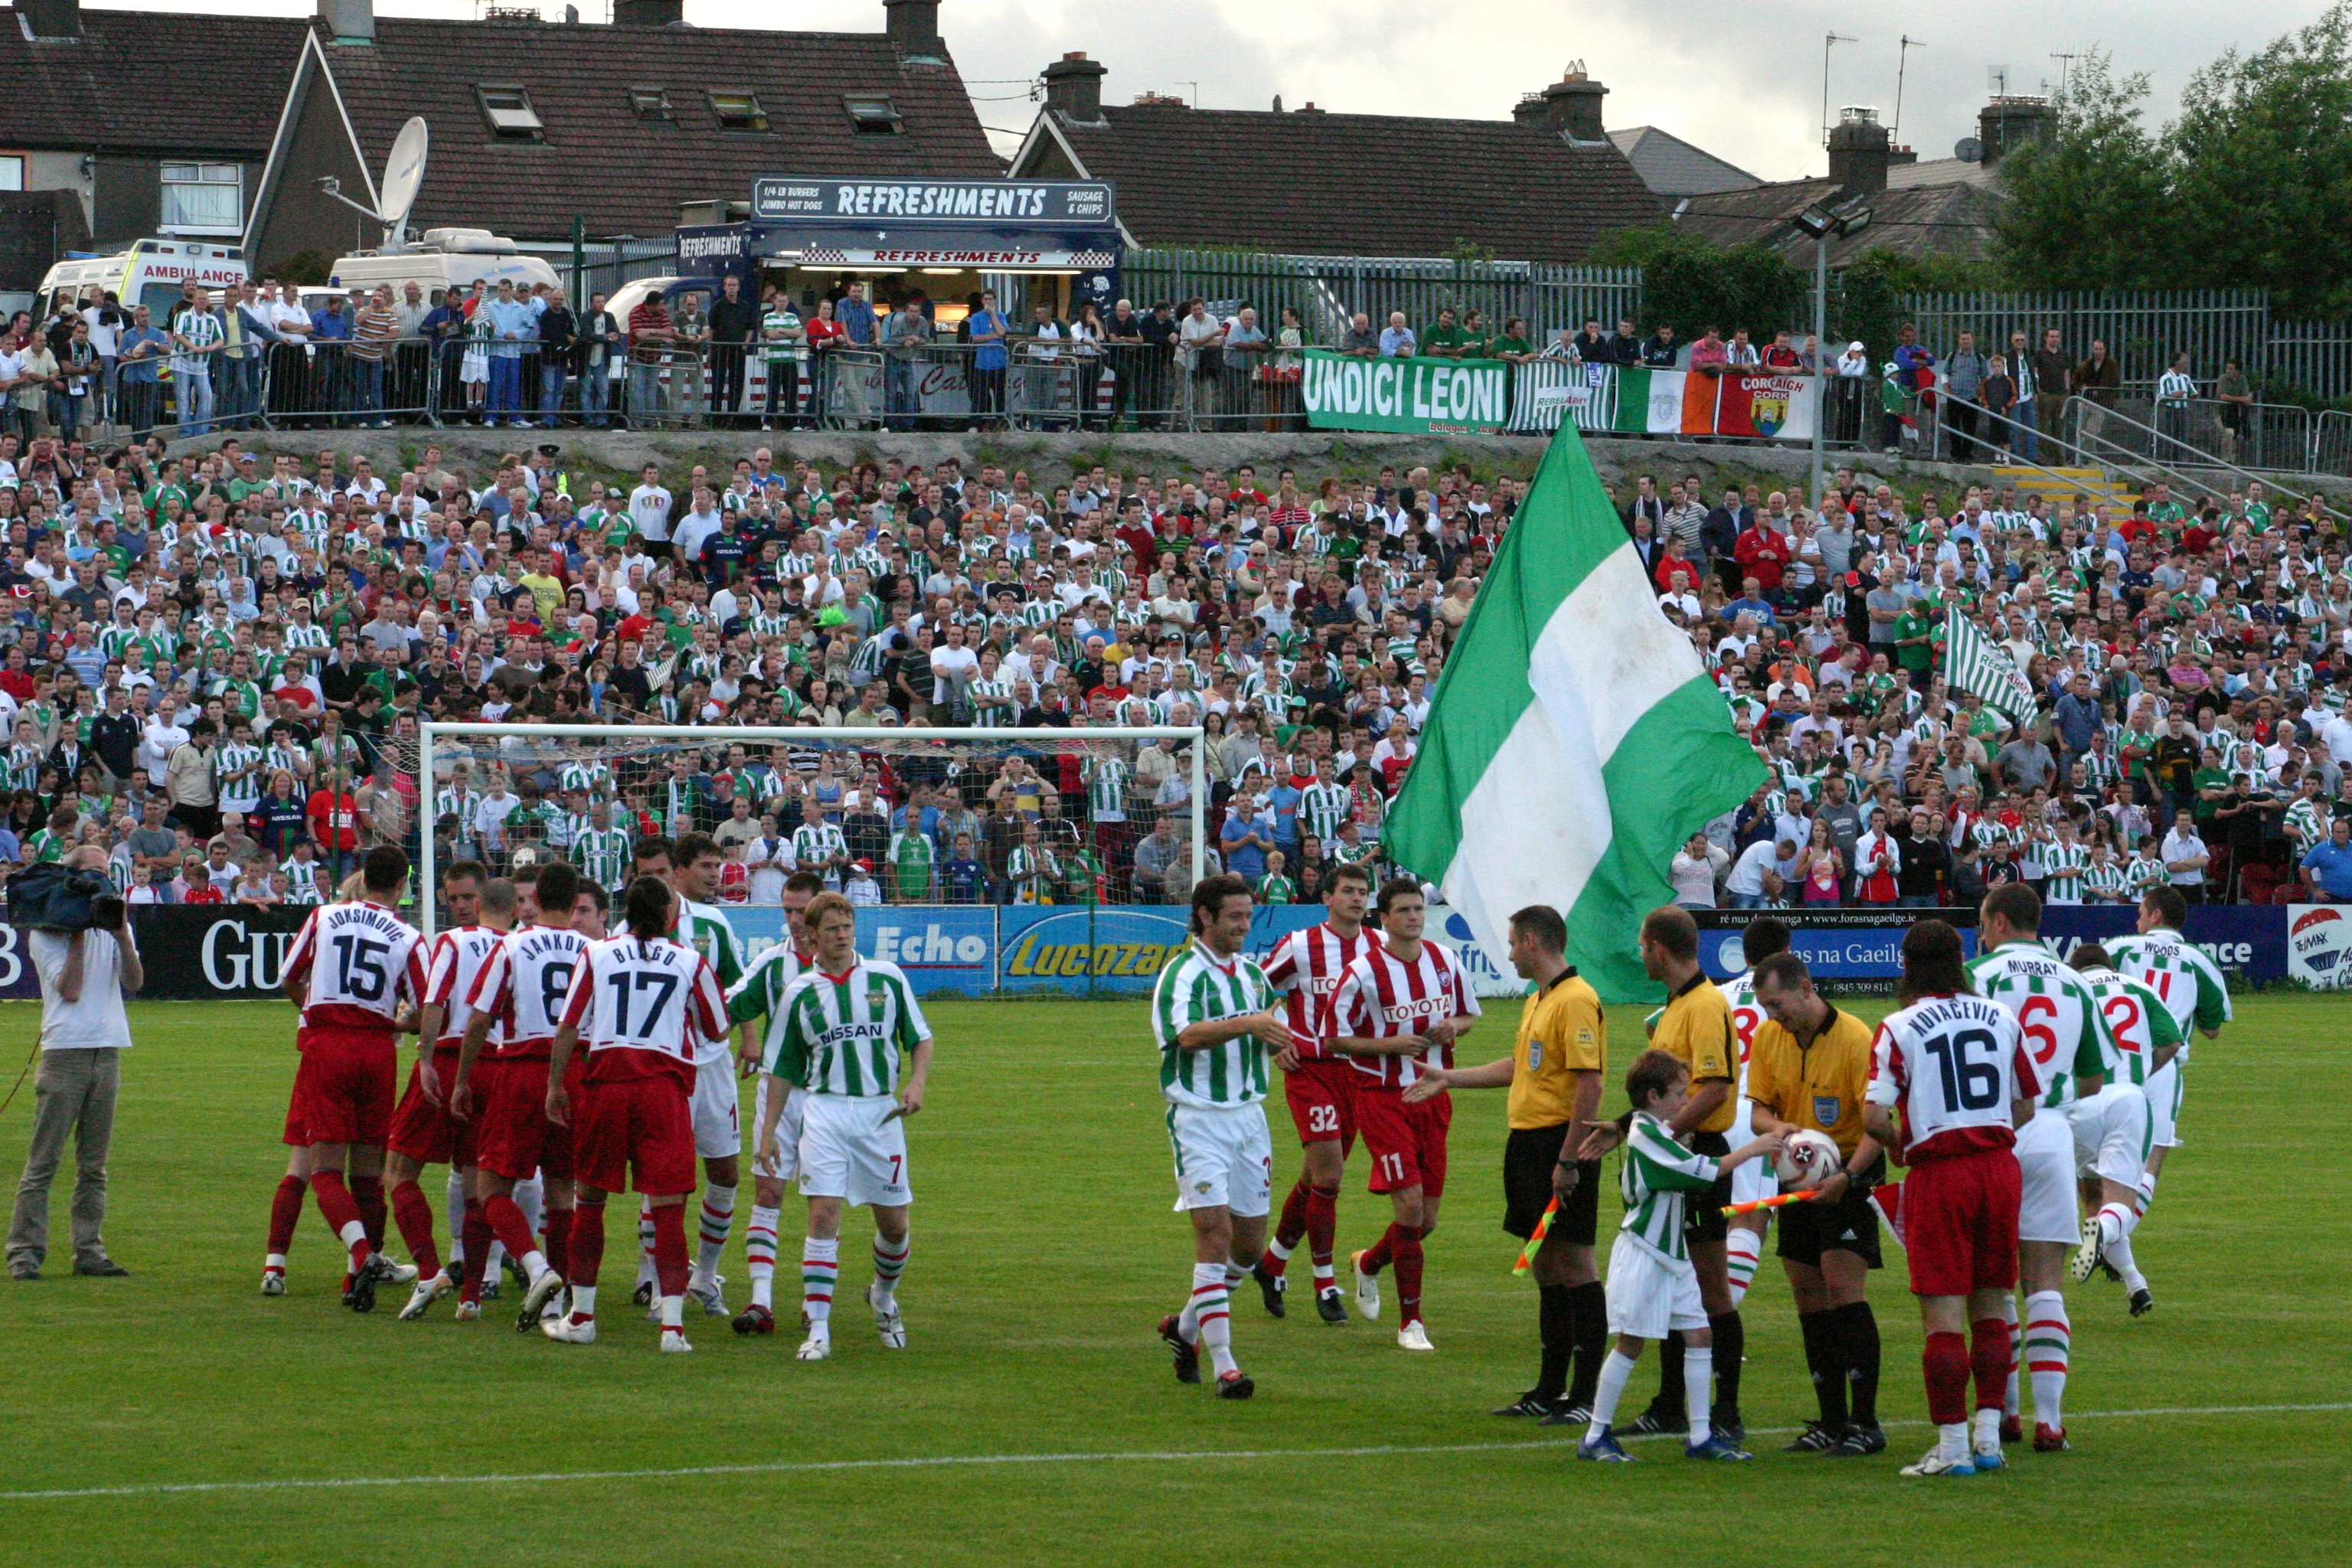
<point x="1821" y="353"/>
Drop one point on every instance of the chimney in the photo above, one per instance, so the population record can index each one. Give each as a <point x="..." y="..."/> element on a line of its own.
<point x="1074" y="88"/>
<point x="1529" y="110"/>
<point x="913" y="26"/>
<point x="2008" y="123"/>
<point x="642" y="13"/>
<point x="1572" y="106"/>
<point x="349" y="21"/>
<point x="51" y="18"/>
<point x="1859" y="153"/>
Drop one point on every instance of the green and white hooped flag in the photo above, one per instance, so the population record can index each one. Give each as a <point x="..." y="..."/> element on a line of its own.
<point x="1575" y="742"/>
<point x="1974" y="662"/>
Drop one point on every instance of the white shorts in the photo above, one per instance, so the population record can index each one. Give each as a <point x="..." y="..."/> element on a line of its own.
<point x="1756" y="1179"/>
<point x="2111" y="1134"/>
<point x="2163" y="1089"/>
<point x="2047" y="1209"/>
<point x="1651" y="1297"/>
<point x="718" y="1124"/>
<point x="787" y="1163"/>
<point x="853" y="1148"/>
<point x="1224" y="1158"/>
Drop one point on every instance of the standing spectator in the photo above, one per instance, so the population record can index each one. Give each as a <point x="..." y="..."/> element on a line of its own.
<point x="650" y="335"/>
<point x="904" y="333"/>
<point x="512" y="326"/>
<point x="1998" y="398"/>
<point x="198" y="338"/>
<point x="990" y="331"/>
<point x="2174" y="391"/>
<point x="1964" y="380"/>
<point x="2098" y="381"/>
<point x="372" y="338"/>
<point x="559" y="348"/>
<point x="734" y="323"/>
<point x="602" y="351"/>
<point x="2236" y="395"/>
<point x="784" y="347"/>
<point x="102" y="310"/>
<point x="1200" y="339"/>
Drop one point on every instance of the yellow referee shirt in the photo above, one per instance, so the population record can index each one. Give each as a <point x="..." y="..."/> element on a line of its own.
<point x="1696" y="1027"/>
<point x="1818" y="1085"/>
<point x="1561" y="1034"/>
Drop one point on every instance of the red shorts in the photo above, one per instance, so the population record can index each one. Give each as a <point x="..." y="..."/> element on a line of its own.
<point x="1322" y="1102"/>
<point x="426" y="1133"/>
<point x="517" y="1137"/>
<point x="644" y="1123"/>
<point x="1407" y="1142"/>
<point x="344" y="1090"/>
<point x="1960" y="1223"/>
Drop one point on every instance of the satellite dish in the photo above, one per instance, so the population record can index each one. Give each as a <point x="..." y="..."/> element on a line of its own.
<point x="1968" y="150"/>
<point x="403" y="173"/>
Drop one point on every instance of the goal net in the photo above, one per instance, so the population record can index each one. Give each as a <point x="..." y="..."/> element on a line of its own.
<point x="945" y="826"/>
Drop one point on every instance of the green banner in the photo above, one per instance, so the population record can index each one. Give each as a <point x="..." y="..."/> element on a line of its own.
<point x="1440" y="396"/>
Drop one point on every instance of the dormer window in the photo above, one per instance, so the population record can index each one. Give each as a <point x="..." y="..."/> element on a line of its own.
<point x="873" y="115"/>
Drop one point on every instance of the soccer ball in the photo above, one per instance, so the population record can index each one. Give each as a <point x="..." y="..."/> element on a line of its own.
<point x="1806" y="1161"/>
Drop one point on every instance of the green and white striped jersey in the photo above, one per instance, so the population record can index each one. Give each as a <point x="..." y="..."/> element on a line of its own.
<point x="1031" y="872"/>
<point x="1198" y="987"/>
<point x="2103" y="882"/>
<point x="2064" y="865"/>
<point x="813" y="846"/>
<point x="2052" y="1007"/>
<point x="592" y="778"/>
<point x="761" y="994"/>
<point x="850" y="1028"/>
<point x="236" y="776"/>
<point x="603" y="856"/>
<point x="1322" y="808"/>
<point x="1107" y="788"/>
<point x="2179" y="971"/>
<point x="704" y="928"/>
<point x="1657" y="1172"/>
<point x="2306" y="822"/>
<point x="2134" y="1025"/>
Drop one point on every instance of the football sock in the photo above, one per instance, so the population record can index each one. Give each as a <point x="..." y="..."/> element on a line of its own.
<point x="1828" y="1373"/>
<point x="2016" y="1351"/>
<point x="530" y="1196"/>
<point x="2049" y="1342"/>
<point x="587" y="1256"/>
<point x="760" y="1254"/>
<point x="559" y="1241"/>
<point x="583" y="1300"/>
<point x="1212" y="1315"/>
<point x="1208" y="1280"/>
<point x="1945" y="1362"/>
<point x="890" y="1261"/>
<point x="1670" y="1377"/>
<point x="2116" y="1223"/>
<point x="1290" y="1229"/>
<point x="514" y="1233"/>
<point x="341" y="1214"/>
<point x="718" y="1219"/>
<point x="413" y="1212"/>
<point x="285" y="1214"/>
<point x="1556" y="1327"/>
<point x="454" y="1205"/>
<point x="477" y="1233"/>
<point x="669" y="1248"/>
<point x="1858" y="1345"/>
<point x="820" y="1267"/>
<point x="1234" y="1275"/>
<point x="1322" y="1226"/>
<point x="644" y="1241"/>
<point x="1699" y="1371"/>
<point x="1591" y="1332"/>
<point x="1407" y="1255"/>
<point x="1608" y="1391"/>
<point x="2146" y="1190"/>
<point x="1730" y="1344"/>
<point x="1377" y="1255"/>
<point x="367" y="1192"/>
<point x="1743" y="1248"/>
<point x="673" y="1307"/>
<point x="1988" y="1360"/>
<point x="1987" y="1433"/>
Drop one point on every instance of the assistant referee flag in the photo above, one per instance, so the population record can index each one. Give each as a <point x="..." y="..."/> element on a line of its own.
<point x="1575" y="741"/>
<point x="1974" y="662"/>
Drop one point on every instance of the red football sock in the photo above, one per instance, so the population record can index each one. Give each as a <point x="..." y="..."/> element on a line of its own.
<point x="669" y="1248"/>
<point x="1989" y="1357"/>
<point x="477" y="1250"/>
<point x="367" y="1192"/>
<point x="414" y="1214"/>
<point x="588" y="1244"/>
<point x="1945" y="1361"/>
<point x="285" y="1213"/>
<point x="1322" y="1226"/>
<point x="509" y="1226"/>
<point x="559" y="1242"/>
<point x="1378" y="1256"/>
<point x="1407" y="1252"/>
<point x="1290" y="1228"/>
<point x="341" y="1214"/>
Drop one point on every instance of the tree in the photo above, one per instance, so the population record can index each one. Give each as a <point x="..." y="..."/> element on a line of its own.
<point x="1694" y="284"/>
<point x="2090" y="209"/>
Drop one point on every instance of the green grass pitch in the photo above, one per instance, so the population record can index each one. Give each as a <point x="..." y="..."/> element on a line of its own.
<point x="182" y="1418"/>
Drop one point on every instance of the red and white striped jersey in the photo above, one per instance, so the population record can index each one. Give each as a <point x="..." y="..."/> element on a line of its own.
<point x="1382" y="996"/>
<point x="642" y="1007"/>
<point x="1951" y="1065"/>
<point x="1747" y="1017"/>
<point x="359" y="963"/>
<point x="525" y="985"/>
<point x="1308" y="966"/>
<point x="450" y="975"/>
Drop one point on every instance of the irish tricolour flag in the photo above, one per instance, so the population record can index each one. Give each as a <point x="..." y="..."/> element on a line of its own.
<point x="1575" y="742"/>
<point x="1654" y="402"/>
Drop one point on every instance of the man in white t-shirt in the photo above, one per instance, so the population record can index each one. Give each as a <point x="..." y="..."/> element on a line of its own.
<point x="952" y="666"/>
<point x="84" y="1032"/>
<point x="649" y="505"/>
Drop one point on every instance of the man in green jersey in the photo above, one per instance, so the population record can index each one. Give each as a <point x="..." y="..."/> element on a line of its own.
<point x="759" y="995"/>
<point x="2113" y="1125"/>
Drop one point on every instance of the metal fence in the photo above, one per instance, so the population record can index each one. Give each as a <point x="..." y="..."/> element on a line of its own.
<point x="2142" y="330"/>
<point x="602" y="266"/>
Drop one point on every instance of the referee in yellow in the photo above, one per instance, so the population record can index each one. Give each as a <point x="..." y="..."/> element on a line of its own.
<point x="1554" y="1074"/>
<point x="1808" y="1068"/>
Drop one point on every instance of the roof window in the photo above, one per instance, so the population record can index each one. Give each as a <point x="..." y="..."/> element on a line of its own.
<point x="873" y="114"/>
<point x="739" y="112"/>
<point x="508" y="109"/>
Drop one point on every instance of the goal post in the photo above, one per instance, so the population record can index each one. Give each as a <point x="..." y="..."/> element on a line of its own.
<point x="547" y="748"/>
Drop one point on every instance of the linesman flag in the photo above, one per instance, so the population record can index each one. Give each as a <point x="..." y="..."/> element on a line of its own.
<point x="1974" y="662"/>
<point x="1575" y="742"/>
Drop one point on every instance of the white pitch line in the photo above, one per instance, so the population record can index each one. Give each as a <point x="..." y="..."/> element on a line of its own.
<point x="943" y="1461"/>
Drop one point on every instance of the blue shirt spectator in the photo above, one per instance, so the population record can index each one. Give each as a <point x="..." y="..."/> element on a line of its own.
<point x="855" y="314"/>
<point x="1245" y="839"/>
<point x="332" y="323"/>
<point x="1397" y="340"/>
<point x="2329" y="864"/>
<point x="1282" y="803"/>
<point x="989" y="326"/>
<point x="151" y="345"/>
<point x="512" y="323"/>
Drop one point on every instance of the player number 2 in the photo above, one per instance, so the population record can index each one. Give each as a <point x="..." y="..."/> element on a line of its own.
<point x="1391" y="1166"/>
<point x="1323" y="1118"/>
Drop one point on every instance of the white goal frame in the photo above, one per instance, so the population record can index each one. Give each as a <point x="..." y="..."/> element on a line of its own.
<point x="1041" y="737"/>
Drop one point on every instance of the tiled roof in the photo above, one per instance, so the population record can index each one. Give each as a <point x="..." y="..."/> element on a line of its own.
<point x="1954" y="219"/>
<point x="147" y="81"/>
<point x="1359" y="184"/>
<point x="627" y="176"/>
<point x="1673" y="167"/>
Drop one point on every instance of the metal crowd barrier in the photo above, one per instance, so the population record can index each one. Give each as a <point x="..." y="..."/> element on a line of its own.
<point x="1244" y="387"/>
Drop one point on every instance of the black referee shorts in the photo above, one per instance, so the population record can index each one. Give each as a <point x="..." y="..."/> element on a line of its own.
<point x="1529" y="1157"/>
<point x="1812" y="1227"/>
<point x="1703" y="1211"/>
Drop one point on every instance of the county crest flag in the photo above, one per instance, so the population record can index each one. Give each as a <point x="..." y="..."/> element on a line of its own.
<point x="1974" y="662"/>
<point x="1575" y="742"/>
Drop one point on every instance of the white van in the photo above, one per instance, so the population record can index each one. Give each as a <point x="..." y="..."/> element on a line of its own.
<point x="445" y="258"/>
<point x="151" y="273"/>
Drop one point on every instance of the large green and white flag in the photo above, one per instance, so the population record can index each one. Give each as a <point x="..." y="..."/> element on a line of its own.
<point x="1575" y="742"/>
<point x="1974" y="662"/>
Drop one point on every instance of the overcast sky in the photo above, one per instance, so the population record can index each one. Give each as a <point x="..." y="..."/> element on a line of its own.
<point x="1739" y="78"/>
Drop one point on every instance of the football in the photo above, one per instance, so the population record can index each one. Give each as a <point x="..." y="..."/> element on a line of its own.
<point x="1806" y="1161"/>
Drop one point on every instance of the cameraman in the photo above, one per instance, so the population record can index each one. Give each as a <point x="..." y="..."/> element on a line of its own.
<point x="84" y="975"/>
